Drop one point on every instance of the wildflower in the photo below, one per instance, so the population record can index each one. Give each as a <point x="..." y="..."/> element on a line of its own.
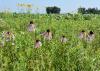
<point x="47" y="35"/>
<point x="38" y="44"/>
<point x="82" y="34"/>
<point x="31" y="27"/>
<point x="90" y="36"/>
<point x="8" y="36"/>
<point x="63" y="39"/>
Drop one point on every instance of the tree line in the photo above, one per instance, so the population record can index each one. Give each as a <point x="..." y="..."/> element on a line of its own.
<point x="88" y="11"/>
<point x="82" y="10"/>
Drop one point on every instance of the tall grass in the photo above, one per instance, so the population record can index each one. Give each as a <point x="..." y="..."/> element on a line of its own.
<point x="75" y="55"/>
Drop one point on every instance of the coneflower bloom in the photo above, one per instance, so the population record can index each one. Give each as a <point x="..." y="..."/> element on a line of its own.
<point x="31" y="27"/>
<point x="82" y="34"/>
<point x="8" y="36"/>
<point x="63" y="39"/>
<point x="90" y="36"/>
<point x="38" y="44"/>
<point x="47" y="35"/>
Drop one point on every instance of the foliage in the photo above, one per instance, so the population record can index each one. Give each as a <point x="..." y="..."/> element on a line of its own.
<point x="75" y="55"/>
<point x="89" y="11"/>
<point x="53" y="10"/>
<point x="82" y="10"/>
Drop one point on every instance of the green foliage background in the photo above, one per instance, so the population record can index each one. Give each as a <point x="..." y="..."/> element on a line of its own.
<point x="75" y="55"/>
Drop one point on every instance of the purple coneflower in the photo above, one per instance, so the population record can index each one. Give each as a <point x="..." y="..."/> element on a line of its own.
<point x="31" y="27"/>
<point x="63" y="39"/>
<point x="82" y="34"/>
<point x="90" y="36"/>
<point x="38" y="44"/>
<point x="47" y="35"/>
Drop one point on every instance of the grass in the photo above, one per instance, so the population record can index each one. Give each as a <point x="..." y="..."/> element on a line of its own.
<point x="75" y="55"/>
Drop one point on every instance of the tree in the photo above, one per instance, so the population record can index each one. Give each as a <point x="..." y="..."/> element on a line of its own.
<point x="53" y="10"/>
<point x="82" y="10"/>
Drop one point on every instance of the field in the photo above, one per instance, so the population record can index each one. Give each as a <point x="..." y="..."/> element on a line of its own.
<point x="75" y="55"/>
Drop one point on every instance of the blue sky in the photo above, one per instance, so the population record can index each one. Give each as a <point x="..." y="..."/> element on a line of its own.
<point x="65" y="5"/>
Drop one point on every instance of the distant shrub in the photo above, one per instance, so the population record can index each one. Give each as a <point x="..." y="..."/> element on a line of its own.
<point x="53" y="10"/>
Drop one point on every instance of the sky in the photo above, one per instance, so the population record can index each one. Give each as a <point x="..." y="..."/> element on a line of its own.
<point x="65" y="5"/>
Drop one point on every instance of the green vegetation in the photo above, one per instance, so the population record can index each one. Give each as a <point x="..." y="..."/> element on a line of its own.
<point x="75" y="55"/>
